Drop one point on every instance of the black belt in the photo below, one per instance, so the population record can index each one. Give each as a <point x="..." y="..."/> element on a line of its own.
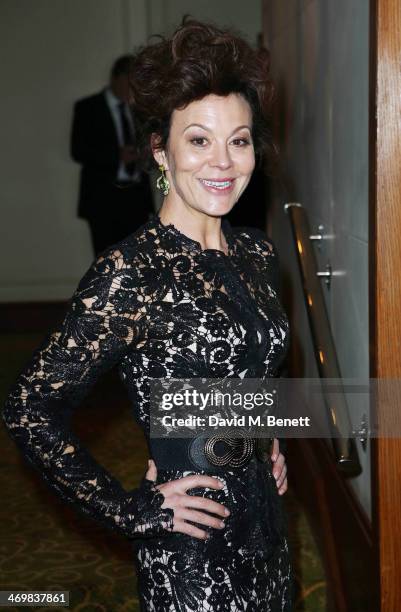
<point x="217" y="453"/>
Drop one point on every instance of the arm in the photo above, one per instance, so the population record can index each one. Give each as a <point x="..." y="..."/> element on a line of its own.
<point x="272" y="258"/>
<point x="275" y="276"/>
<point x="102" y="322"/>
<point x="86" y="146"/>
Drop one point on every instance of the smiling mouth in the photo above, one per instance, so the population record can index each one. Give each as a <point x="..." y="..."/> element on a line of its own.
<point x="218" y="184"/>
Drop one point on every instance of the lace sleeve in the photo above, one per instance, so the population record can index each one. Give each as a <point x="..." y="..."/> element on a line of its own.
<point x="103" y="320"/>
<point x="270" y="256"/>
<point x="271" y="263"/>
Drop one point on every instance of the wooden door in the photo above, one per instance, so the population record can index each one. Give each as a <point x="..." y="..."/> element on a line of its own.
<point x="375" y="545"/>
<point x="385" y="286"/>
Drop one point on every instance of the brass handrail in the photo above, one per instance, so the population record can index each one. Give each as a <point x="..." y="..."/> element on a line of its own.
<point x="344" y="446"/>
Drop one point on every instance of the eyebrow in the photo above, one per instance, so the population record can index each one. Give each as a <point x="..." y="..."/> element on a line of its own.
<point x="204" y="127"/>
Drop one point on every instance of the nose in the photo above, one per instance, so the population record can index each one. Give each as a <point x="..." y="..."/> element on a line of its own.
<point x="221" y="157"/>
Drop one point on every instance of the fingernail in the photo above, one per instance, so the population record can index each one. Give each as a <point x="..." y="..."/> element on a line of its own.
<point x="274" y="457"/>
<point x="275" y="475"/>
<point x="226" y="512"/>
<point x="222" y="524"/>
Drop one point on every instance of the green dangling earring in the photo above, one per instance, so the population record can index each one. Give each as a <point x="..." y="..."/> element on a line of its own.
<point x="163" y="182"/>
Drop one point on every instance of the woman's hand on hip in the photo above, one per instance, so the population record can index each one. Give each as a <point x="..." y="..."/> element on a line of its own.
<point x="279" y="468"/>
<point x="190" y="507"/>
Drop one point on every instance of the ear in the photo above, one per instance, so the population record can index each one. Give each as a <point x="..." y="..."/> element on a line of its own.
<point x="158" y="154"/>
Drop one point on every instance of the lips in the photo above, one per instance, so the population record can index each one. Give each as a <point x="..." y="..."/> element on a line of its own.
<point x="218" y="184"/>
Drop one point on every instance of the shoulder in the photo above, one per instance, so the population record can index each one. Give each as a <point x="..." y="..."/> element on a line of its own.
<point x="89" y="102"/>
<point x="261" y="252"/>
<point x="116" y="274"/>
<point x="256" y="240"/>
<point x="130" y="256"/>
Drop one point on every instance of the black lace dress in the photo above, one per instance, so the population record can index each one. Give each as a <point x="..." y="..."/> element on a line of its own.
<point x="158" y="305"/>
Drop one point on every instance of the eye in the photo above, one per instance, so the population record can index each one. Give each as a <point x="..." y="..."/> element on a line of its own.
<point x="245" y="141"/>
<point x="196" y="140"/>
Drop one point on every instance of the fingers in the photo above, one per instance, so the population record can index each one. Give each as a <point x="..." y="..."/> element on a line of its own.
<point x="198" y="480"/>
<point x="151" y="473"/>
<point x="199" y="517"/>
<point x="280" y="474"/>
<point x="191" y="530"/>
<point x="279" y="469"/>
<point x="275" y="449"/>
<point x="182" y="500"/>
<point x="182" y="515"/>
<point x="278" y="466"/>
<point x="190" y="507"/>
<point x="283" y="487"/>
<point x="193" y="508"/>
<point x="203" y="503"/>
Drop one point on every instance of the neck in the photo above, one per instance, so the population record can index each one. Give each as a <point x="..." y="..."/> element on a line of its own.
<point x="195" y="224"/>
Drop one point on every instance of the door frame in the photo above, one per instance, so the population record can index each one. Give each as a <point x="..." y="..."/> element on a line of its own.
<point x="384" y="252"/>
<point x="385" y="285"/>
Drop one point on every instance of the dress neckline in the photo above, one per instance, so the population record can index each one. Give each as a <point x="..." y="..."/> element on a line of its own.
<point x="172" y="230"/>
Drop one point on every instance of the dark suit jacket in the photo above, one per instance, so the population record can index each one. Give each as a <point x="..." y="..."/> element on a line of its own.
<point x="94" y="145"/>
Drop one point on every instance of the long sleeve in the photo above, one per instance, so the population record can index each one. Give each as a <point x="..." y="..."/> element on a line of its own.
<point x="272" y="266"/>
<point x="275" y="275"/>
<point x="88" y="145"/>
<point x="103" y="321"/>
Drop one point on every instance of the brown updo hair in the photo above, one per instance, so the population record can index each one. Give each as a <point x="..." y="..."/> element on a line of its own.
<point x="197" y="60"/>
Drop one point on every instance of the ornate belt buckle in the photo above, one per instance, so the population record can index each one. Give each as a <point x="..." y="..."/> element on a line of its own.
<point x="239" y="453"/>
<point x="264" y="449"/>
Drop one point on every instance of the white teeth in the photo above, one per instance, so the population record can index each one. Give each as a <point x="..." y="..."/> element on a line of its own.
<point x="218" y="184"/>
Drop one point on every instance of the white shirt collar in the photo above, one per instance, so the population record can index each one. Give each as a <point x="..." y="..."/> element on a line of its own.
<point x="111" y="97"/>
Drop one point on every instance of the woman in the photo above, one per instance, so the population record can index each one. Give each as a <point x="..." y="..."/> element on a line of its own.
<point x="186" y="295"/>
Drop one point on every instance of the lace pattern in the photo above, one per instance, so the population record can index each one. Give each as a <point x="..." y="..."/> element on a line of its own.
<point x="158" y="305"/>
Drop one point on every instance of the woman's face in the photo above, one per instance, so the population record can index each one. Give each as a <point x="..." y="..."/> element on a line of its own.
<point x="210" y="154"/>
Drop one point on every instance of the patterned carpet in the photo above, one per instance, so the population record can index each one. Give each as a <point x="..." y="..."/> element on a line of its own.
<point x="44" y="544"/>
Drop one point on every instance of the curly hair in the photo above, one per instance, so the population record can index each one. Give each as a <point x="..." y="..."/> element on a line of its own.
<point x="197" y="60"/>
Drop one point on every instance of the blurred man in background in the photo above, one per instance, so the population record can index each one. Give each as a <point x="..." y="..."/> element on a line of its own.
<point x="115" y="197"/>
